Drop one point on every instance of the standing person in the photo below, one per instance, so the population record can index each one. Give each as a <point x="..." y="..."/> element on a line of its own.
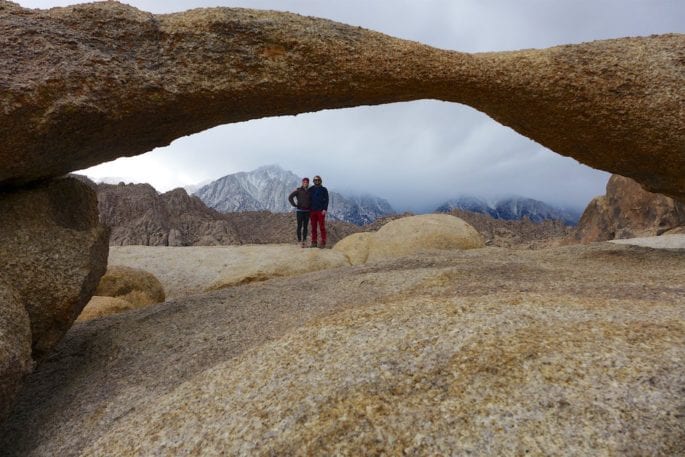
<point x="318" y="196"/>
<point x="299" y="198"/>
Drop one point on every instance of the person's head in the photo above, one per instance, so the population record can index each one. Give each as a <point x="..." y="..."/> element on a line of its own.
<point x="317" y="180"/>
<point x="305" y="182"/>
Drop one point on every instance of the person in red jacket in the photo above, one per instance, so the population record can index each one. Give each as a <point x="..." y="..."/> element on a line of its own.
<point x="299" y="198"/>
<point x="318" y="197"/>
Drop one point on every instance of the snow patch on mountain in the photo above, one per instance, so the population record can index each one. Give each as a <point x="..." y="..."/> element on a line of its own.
<point x="267" y="189"/>
<point x="511" y="208"/>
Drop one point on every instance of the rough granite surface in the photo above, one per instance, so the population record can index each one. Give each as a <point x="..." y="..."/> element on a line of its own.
<point x="628" y="211"/>
<point x="81" y="83"/>
<point x="53" y="252"/>
<point x="15" y="347"/>
<point x="186" y="271"/>
<point x="576" y="350"/>
<point x="412" y="235"/>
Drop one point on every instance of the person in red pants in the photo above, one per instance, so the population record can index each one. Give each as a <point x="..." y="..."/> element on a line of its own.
<point x="318" y="200"/>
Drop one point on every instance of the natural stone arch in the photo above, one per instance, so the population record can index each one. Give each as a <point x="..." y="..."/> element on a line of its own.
<point x="90" y="83"/>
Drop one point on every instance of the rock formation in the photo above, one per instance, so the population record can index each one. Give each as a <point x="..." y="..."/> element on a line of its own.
<point x="573" y="350"/>
<point x="15" y="347"/>
<point x="522" y="233"/>
<point x="137" y="214"/>
<point x="81" y="83"/>
<point x="412" y="235"/>
<point x="53" y="252"/>
<point x="134" y="285"/>
<point x="217" y="267"/>
<point x="628" y="211"/>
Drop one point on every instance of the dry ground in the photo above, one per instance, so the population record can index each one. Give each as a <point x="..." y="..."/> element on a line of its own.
<point x="571" y="350"/>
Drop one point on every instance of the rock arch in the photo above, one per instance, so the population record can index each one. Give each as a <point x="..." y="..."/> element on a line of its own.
<point x="90" y="83"/>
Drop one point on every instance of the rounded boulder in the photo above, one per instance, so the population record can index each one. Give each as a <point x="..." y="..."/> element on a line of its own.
<point x="411" y="235"/>
<point x="138" y="287"/>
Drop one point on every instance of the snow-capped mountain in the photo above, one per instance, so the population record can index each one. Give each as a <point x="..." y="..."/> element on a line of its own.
<point x="510" y="208"/>
<point x="267" y="189"/>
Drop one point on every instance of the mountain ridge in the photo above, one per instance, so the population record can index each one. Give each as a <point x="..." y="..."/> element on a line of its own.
<point x="511" y="207"/>
<point x="267" y="189"/>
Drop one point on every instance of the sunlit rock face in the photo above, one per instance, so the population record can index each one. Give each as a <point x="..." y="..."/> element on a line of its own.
<point x="86" y="84"/>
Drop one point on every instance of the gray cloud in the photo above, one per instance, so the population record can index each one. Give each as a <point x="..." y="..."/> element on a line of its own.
<point x="414" y="154"/>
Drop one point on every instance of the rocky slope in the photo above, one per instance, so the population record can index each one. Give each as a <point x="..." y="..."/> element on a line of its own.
<point x="628" y="211"/>
<point x="511" y="208"/>
<point x="571" y="350"/>
<point x="614" y="104"/>
<point x="137" y="214"/>
<point x="267" y="189"/>
<point x="521" y="233"/>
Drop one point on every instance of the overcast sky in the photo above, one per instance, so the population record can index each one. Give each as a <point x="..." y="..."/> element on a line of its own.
<point x="415" y="154"/>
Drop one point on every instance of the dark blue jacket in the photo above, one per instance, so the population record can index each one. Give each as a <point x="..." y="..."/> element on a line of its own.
<point x="318" y="196"/>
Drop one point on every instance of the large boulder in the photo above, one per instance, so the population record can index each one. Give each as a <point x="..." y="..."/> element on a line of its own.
<point x="613" y="104"/>
<point x="53" y="252"/>
<point x="15" y="347"/>
<point x="628" y="211"/>
<point x="134" y="285"/>
<point x="411" y="235"/>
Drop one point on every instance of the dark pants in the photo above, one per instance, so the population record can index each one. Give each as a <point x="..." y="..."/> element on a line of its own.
<point x="318" y="220"/>
<point x="302" y="223"/>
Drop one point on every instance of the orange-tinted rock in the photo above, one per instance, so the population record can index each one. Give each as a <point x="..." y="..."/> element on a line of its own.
<point x="628" y="211"/>
<point x="89" y="83"/>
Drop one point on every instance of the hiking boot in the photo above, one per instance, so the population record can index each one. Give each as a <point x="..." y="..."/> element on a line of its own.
<point x="313" y="245"/>
<point x="322" y="245"/>
<point x="303" y="244"/>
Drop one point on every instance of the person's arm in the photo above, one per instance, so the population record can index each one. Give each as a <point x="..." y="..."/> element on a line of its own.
<point x="325" y="199"/>
<point x="291" y="198"/>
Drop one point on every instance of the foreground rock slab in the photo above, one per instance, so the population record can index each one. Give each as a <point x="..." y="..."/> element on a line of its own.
<point x="572" y="350"/>
<point x="187" y="271"/>
<point x="53" y="252"/>
<point x="75" y="94"/>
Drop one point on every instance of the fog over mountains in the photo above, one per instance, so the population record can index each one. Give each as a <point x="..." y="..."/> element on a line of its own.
<point x="267" y="189"/>
<point x="510" y="208"/>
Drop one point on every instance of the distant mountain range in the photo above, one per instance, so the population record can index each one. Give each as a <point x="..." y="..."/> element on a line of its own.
<point x="511" y="208"/>
<point x="267" y="189"/>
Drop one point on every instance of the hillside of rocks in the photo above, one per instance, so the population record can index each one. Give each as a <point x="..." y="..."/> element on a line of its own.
<point x="628" y="211"/>
<point x="138" y="215"/>
<point x="615" y="104"/>
<point x="522" y="233"/>
<point x="567" y="350"/>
